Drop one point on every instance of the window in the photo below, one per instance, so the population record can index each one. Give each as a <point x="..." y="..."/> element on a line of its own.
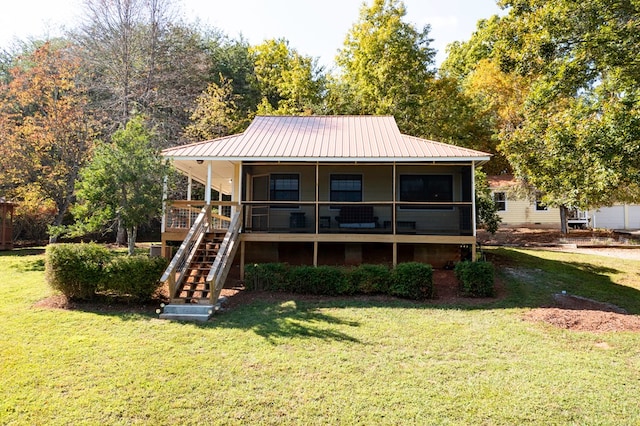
<point x="345" y="188"/>
<point x="284" y="187"/>
<point x="426" y="188"/>
<point x="540" y="206"/>
<point x="500" y="199"/>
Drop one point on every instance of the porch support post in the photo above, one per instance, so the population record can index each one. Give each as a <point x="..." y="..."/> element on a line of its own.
<point x="473" y="209"/>
<point x="163" y="225"/>
<point x="242" y="254"/>
<point x="317" y="214"/>
<point x="189" y="187"/>
<point x="395" y="254"/>
<point x="393" y="206"/>
<point x="207" y="189"/>
<point x="236" y="186"/>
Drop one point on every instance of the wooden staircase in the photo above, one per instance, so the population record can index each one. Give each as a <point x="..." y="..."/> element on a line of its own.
<point x="199" y="269"/>
<point x="194" y="288"/>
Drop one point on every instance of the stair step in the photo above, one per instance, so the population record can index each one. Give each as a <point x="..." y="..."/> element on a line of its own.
<point x="191" y="312"/>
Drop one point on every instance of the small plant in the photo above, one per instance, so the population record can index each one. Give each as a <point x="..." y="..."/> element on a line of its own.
<point x="412" y="280"/>
<point x="76" y="270"/>
<point x="475" y="278"/>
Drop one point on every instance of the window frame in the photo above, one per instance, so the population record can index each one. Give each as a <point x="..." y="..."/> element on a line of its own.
<point x="273" y="177"/>
<point x="500" y="202"/>
<point x="332" y="179"/>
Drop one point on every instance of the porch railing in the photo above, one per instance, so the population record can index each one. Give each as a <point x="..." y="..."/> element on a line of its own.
<point x="180" y="215"/>
<point x="175" y="272"/>
<point x="326" y="217"/>
<point x="224" y="259"/>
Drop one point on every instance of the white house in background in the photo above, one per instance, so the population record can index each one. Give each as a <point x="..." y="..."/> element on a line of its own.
<point x="516" y="211"/>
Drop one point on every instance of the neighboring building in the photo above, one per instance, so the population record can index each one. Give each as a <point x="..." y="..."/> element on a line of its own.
<point x="331" y="190"/>
<point x="516" y="210"/>
<point x="618" y="216"/>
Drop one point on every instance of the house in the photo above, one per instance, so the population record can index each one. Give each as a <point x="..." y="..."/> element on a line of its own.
<point x="519" y="210"/>
<point x="325" y="190"/>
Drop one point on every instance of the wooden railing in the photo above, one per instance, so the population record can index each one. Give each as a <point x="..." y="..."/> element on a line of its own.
<point x="181" y="214"/>
<point x="174" y="274"/>
<point x="224" y="259"/>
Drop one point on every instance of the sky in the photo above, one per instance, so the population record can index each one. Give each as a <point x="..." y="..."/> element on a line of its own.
<point x="314" y="27"/>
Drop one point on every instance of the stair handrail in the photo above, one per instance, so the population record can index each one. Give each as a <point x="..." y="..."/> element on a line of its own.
<point x="224" y="259"/>
<point x="185" y="253"/>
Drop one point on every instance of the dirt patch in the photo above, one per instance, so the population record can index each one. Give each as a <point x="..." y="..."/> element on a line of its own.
<point x="533" y="237"/>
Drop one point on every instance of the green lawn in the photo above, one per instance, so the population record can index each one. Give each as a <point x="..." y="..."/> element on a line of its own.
<point x="336" y="362"/>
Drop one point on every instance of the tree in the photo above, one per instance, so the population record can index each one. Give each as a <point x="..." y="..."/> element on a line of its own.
<point x="289" y="83"/>
<point x="45" y="127"/>
<point x="386" y="65"/>
<point x="579" y="140"/>
<point x="122" y="182"/>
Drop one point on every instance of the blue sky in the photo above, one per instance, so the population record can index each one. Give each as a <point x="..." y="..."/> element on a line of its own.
<point x="314" y="27"/>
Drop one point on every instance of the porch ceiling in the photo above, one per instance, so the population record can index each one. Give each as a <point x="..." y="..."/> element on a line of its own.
<point x="221" y="172"/>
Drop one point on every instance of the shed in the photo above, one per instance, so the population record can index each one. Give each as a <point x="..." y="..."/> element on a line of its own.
<point x="6" y="225"/>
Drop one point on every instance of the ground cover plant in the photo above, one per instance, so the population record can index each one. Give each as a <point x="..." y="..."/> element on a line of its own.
<point x="323" y="360"/>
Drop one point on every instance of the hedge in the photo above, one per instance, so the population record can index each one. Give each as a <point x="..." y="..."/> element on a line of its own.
<point x="409" y="280"/>
<point x="80" y="271"/>
<point x="476" y="279"/>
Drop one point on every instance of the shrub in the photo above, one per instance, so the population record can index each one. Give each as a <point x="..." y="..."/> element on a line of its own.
<point x="412" y="280"/>
<point x="475" y="278"/>
<point x="76" y="270"/>
<point x="135" y="276"/>
<point x="326" y="280"/>
<point x="266" y="276"/>
<point x="369" y="279"/>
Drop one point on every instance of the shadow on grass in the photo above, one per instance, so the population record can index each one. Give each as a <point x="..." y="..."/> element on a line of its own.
<point x="21" y="252"/>
<point x="285" y="320"/>
<point x="528" y="281"/>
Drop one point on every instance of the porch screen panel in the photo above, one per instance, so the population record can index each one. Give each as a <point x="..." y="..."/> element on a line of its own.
<point x="426" y="188"/>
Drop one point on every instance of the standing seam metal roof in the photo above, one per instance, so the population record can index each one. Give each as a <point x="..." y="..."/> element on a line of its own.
<point x="359" y="138"/>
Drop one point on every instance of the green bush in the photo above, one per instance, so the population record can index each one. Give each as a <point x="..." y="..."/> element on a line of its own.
<point x="76" y="270"/>
<point x="135" y="276"/>
<point x="412" y="280"/>
<point x="475" y="278"/>
<point x="369" y="279"/>
<point x="266" y="276"/>
<point x="325" y="280"/>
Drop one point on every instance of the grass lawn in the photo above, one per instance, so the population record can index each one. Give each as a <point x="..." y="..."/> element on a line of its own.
<point x="331" y="362"/>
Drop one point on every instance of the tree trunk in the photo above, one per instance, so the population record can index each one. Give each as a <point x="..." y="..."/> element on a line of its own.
<point x="132" y="234"/>
<point x="121" y="234"/>
<point x="563" y="220"/>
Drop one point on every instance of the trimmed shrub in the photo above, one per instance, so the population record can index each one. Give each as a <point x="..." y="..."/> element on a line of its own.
<point x="325" y="280"/>
<point x="135" y="276"/>
<point x="369" y="279"/>
<point x="412" y="280"/>
<point x="76" y="270"/>
<point x="475" y="278"/>
<point x="266" y="276"/>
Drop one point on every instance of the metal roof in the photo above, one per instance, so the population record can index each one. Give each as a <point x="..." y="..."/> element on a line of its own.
<point x="323" y="138"/>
